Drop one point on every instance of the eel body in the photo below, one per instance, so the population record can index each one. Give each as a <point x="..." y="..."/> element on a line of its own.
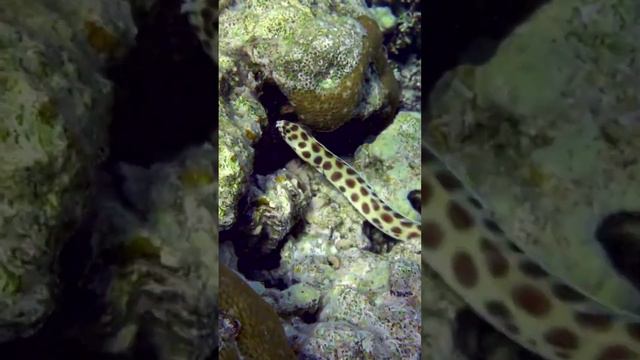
<point x="472" y="254"/>
<point x="538" y="310"/>
<point x="349" y="182"/>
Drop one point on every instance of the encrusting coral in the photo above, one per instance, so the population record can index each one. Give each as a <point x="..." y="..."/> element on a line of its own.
<point x="318" y="55"/>
<point x="331" y="252"/>
<point x="327" y="108"/>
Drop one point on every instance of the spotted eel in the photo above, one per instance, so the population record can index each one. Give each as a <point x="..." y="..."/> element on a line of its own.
<point x="349" y="182"/>
<point x="471" y="253"/>
<point x="517" y="296"/>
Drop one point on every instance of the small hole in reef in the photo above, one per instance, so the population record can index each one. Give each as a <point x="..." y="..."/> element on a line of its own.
<point x="619" y="236"/>
<point x="380" y="243"/>
<point x="310" y="317"/>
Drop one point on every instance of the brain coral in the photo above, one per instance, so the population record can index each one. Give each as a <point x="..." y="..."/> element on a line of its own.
<point x="261" y="335"/>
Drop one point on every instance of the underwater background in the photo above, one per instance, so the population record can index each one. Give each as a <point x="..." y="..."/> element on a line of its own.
<point x="139" y="219"/>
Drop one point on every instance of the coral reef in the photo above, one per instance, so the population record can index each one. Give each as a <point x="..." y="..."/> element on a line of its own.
<point x="364" y="304"/>
<point x="341" y="340"/>
<point x="364" y="295"/>
<point x="410" y="78"/>
<point x="389" y="161"/>
<point x="318" y="56"/>
<point x="240" y="125"/>
<point x="298" y="299"/>
<point x="328" y="61"/>
<point x="53" y="132"/>
<point x="402" y="20"/>
<point x="351" y="184"/>
<point x="329" y="103"/>
<point x="274" y="204"/>
<point x="156" y="274"/>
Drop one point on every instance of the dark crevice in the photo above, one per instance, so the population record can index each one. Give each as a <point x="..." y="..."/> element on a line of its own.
<point x="619" y="236"/>
<point x="310" y="317"/>
<point x="478" y="340"/>
<point x="250" y="258"/>
<point x="165" y="91"/>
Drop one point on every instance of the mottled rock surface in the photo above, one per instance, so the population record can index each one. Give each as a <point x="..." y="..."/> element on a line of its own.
<point x="260" y="334"/>
<point x="240" y="125"/>
<point x="155" y="268"/>
<point x="53" y="132"/>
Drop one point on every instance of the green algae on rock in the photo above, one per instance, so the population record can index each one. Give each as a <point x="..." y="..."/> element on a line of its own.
<point x="240" y="125"/>
<point x="392" y="161"/>
<point x="299" y="299"/>
<point x="384" y="17"/>
<point x="319" y="56"/>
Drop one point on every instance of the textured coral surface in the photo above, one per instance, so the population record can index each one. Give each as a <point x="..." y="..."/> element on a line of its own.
<point x="258" y="322"/>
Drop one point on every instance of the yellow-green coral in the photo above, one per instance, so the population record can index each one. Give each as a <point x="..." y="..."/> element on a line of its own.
<point x="10" y="282"/>
<point x="384" y="17"/>
<point x="317" y="55"/>
<point x="196" y="177"/>
<point x="326" y="108"/>
<point x="261" y="335"/>
<point x="235" y="161"/>
<point x="139" y="246"/>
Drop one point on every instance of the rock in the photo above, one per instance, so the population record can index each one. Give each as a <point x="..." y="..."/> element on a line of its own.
<point x="155" y="268"/>
<point x="317" y="53"/>
<point x="240" y="125"/>
<point x="261" y="335"/>
<point x="54" y="113"/>
<point x="274" y="204"/>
